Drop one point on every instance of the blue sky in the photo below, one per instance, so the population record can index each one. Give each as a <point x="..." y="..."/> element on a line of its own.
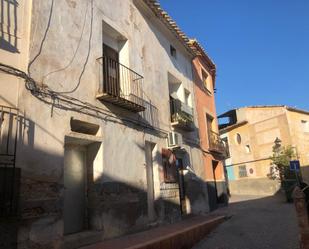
<point x="260" y="47"/>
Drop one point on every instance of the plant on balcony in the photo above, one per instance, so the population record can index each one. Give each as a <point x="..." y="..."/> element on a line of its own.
<point x="182" y="117"/>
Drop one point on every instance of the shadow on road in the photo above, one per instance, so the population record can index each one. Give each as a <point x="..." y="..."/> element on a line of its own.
<point x="256" y="222"/>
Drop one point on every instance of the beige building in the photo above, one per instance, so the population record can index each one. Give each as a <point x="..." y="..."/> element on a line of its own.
<point x="250" y="133"/>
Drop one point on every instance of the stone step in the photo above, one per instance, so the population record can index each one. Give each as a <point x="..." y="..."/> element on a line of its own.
<point x="78" y="240"/>
<point x="182" y="235"/>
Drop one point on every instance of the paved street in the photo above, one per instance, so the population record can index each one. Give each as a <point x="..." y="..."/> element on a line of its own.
<point x="256" y="223"/>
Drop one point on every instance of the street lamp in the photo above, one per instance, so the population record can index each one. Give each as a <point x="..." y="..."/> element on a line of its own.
<point x="277" y="146"/>
<point x="277" y="142"/>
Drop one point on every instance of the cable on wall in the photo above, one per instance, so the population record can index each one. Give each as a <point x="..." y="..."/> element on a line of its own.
<point x="75" y="52"/>
<point x="69" y="103"/>
<point x="44" y="37"/>
<point x="87" y="57"/>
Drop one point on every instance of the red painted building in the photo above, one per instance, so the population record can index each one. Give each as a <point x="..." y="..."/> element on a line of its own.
<point x="214" y="149"/>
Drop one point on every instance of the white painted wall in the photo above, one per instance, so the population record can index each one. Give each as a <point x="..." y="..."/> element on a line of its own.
<point x="59" y="49"/>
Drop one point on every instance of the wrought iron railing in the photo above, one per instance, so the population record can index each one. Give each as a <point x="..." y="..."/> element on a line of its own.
<point x="119" y="81"/>
<point x="216" y="143"/>
<point x="180" y="112"/>
<point x="9" y="174"/>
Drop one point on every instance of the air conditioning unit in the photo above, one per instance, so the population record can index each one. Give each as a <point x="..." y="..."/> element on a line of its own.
<point x="174" y="139"/>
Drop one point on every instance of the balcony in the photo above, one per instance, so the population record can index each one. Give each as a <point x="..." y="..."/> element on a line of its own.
<point x="216" y="144"/>
<point x="120" y="85"/>
<point x="181" y="115"/>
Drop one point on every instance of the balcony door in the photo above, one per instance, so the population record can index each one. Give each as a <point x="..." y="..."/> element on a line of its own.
<point x="111" y="78"/>
<point x="209" y="120"/>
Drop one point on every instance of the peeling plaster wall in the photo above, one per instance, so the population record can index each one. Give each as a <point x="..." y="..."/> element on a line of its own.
<point x="61" y="49"/>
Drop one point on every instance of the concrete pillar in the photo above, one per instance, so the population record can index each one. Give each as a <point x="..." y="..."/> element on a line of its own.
<point x="302" y="217"/>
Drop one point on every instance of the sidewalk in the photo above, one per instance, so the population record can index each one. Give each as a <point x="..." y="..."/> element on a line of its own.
<point x="183" y="234"/>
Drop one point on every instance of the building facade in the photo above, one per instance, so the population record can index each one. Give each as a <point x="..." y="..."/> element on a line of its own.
<point x="212" y="146"/>
<point x="250" y="133"/>
<point x="99" y="122"/>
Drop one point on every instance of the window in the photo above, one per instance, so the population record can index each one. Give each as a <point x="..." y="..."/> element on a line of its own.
<point x="209" y="120"/>
<point x="227" y="149"/>
<point x="187" y="97"/>
<point x="305" y="125"/>
<point x="173" y="51"/>
<point x="206" y="81"/>
<point x="238" y="138"/>
<point x="169" y="166"/>
<point x="242" y="171"/>
<point x="248" y="149"/>
<point x="111" y="71"/>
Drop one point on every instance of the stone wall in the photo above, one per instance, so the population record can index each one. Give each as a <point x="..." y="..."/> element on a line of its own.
<point x="117" y="208"/>
<point x="254" y="186"/>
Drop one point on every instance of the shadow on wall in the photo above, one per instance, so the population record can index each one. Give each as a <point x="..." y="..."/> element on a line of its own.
<point x="26" y="191"/>
<point x="302" y="178"/>
<point x="149" y="117"/>
<point x="268" y="185"/>
<point x="8" y="28"/>
<point x="305" y="173"/>
<point x="112" y="207"/>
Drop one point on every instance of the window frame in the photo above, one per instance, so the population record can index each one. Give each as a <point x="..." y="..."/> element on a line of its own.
<point x="238" y="138"/>
<point x="173" y="51"/>
<point x="305" y="125"/>
<point x="169" y="169"/>
<point x="187" y="97"/>
<point x="206" y="87"/>
<point x="242" y="171"/>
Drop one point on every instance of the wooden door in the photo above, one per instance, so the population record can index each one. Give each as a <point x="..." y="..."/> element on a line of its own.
<point x="75" y="189"/>
<point x="209" y="120"/>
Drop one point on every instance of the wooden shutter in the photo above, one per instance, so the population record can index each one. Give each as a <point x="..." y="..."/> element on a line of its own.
<point x="169" y="166"/>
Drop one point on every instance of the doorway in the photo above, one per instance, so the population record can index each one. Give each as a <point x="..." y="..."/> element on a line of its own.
<point x="75" y="189"/>
<point x="81" y="156"/>
<point x="214" y="170"/>
<point x="149" y="149"/>
<point x="181" y="183"/>
<point x="111" y="79"/>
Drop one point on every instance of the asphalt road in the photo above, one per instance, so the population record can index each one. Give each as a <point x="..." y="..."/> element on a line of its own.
<point x="256" y="223"/>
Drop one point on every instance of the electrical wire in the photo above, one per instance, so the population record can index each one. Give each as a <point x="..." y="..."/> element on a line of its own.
<point x="70" y="103"/>
<point x="76" y="50"/>
<point x="44" y="37"/>
<point x="88" y="52"/>
<point x="87" y="57"/>
<point x="44" y="92"/>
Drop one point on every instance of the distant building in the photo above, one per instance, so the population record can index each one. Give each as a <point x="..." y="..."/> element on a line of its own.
<point x="250" y="133"/>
